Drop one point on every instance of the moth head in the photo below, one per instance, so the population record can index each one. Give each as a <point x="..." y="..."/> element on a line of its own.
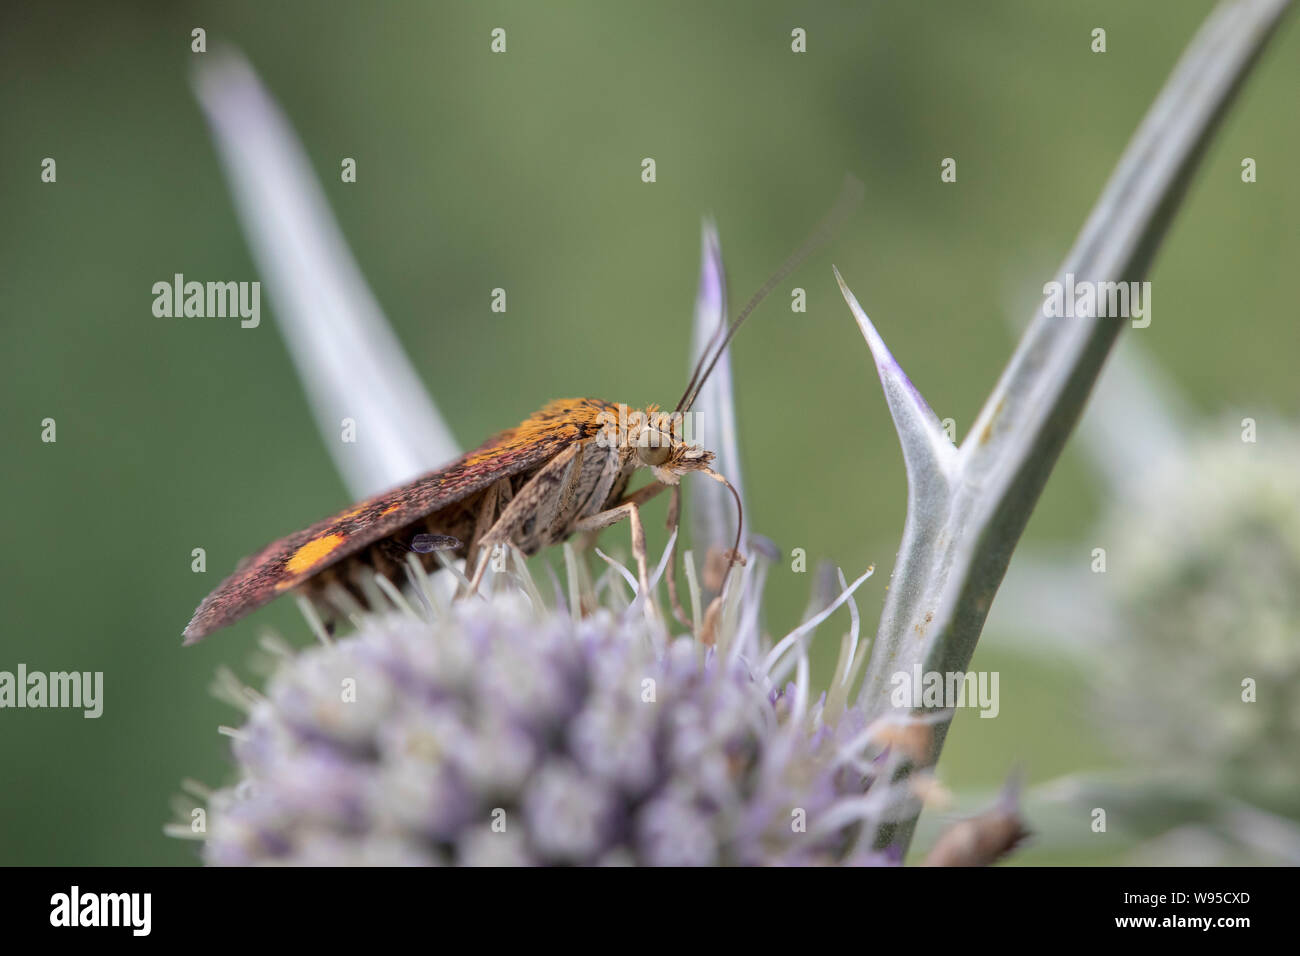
<point x="658" y="443"/>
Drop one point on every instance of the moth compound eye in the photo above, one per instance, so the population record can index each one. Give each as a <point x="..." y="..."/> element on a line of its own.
<point x="654" y="454"/>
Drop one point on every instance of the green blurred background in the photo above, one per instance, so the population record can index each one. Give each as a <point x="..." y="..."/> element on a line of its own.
<point x="523" y="171"/>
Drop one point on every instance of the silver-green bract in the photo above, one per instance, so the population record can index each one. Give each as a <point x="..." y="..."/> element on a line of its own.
<point x="968" y="505"/>
<point x="347" y="356"/>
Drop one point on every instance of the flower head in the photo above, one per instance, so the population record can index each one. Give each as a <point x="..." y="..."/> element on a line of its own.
<point x="505" y="732"/>
<point x="1209" y="612"/>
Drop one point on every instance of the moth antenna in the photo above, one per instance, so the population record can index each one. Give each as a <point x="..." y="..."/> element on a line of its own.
<point x="850" y="195"/>
<point x="718" y="331"/>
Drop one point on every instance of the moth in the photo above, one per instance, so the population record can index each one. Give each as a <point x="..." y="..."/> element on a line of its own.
<point x="564" y="470"/>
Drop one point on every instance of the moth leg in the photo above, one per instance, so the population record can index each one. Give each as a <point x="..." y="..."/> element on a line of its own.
<point x="542" y="498"/>
<point x="674" y="522"/>
<point x="487" y="514"/>
<point x="630" y="508"/>
<point x="638" y="498"/>
<point x="569" y="492"/>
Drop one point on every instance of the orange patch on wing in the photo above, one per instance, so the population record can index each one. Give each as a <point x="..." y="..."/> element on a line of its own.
<point x="312" y="553"/>
<point x="390" y="509"/>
